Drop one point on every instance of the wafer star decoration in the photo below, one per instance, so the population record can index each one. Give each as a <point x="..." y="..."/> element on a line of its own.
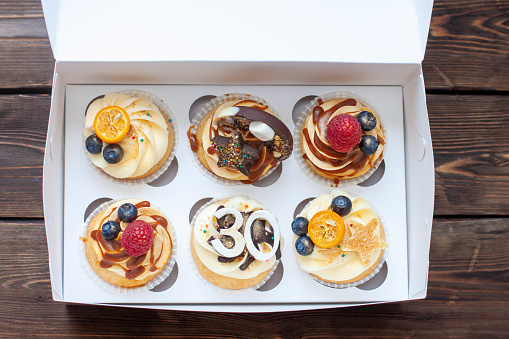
<point x="365" y="241"/>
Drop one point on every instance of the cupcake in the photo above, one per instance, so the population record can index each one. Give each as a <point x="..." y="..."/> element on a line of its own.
<point x="128" y="136"/>
<point x="339" y="239"/>
<point x="128" y="243"/>
<point x="238" y="138"/>
<point x="341" y="139"/>
<point x="235" y="243"/>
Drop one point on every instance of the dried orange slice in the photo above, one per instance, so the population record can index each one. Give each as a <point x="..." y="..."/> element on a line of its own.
<point x="326" y="229"/>
<point x="111" y="124"/>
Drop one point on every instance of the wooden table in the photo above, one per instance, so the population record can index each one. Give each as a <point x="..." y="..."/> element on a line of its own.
<point x="466" y="71"/>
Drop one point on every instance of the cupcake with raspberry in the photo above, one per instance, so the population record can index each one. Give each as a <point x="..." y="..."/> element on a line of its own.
<point x="129" y="243"/>
<point x="235" y="243"/>
<point x="339" y="239"/>
<point x="237" y="138"/>
<point x="341" y="139"/>
<point x="129" y="136"/>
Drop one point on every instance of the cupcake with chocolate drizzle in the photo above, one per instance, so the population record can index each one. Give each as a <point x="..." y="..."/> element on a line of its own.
<point x="128" y="243"/>
<point x="235" y="243"/>
<point x="237" y="138"/>
<point x="341" y="139"/>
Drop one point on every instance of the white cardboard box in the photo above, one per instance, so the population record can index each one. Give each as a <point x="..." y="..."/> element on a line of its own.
<point x="287" y="48"/>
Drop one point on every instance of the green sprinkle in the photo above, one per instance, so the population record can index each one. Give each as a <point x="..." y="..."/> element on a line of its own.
<point x="339" y="246"/>
<point x="272" y="238"/>
<point x="240" y="166"/>
<point x="148" y="114"/>
<point x="141" y="140"/>
<point x="205" y="231"/>
<point x="342" y="255"/>
<point x="169" y="120"/>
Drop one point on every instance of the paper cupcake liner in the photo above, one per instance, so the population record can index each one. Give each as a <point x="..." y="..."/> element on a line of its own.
<point x="202" y="113"/>
<point x="378" y="267"/>
<point x="126" y="290"/>
<point x="165" y="110"/>
<point x="211" y="285"/>
<point x="299" y="154"/>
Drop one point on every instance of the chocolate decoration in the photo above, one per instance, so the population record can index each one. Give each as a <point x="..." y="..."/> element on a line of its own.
<point x="233" y="152"/>
<point x="94" y="99"/>
<point x="283" y="140"/>
<point x="248" y="262"/>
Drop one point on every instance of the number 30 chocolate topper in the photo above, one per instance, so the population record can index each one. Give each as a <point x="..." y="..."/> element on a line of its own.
<point x="246" y="240"/>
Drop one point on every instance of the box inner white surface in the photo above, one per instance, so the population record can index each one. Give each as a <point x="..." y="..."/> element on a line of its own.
<point x="83" y="185"/>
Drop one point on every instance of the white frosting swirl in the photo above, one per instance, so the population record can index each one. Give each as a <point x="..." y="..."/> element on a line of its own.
<point x="146" y="142"/>
<point x="334" y="264"/>
<point x="204" y="228"/>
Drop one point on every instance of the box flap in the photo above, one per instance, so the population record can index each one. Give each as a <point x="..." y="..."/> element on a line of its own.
<point x="323" y="30"/>
<point x="51" y="9"/>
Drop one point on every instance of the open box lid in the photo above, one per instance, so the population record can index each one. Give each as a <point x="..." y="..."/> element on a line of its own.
<point x="390" y="31"/>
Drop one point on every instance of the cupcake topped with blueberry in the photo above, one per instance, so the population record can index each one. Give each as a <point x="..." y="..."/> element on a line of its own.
<point x="341" y="139"/>
<point x="128" y="243"/>
<point x="127" y="136"/>
<point x="339" y="239"/>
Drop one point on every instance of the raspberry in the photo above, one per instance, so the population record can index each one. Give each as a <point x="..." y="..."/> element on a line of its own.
<point x="343" y="132"/>
<point x="137" y="238"/>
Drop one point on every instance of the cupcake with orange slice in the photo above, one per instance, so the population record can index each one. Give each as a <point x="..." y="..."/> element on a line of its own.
<point x="128" y="136"/>
<point x="339" y="239"/>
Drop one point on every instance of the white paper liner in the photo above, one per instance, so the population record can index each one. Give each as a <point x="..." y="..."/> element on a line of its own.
<point x="211" y="285"/>
<point x="298" y="151"/>
<point x="165" y="110"/>
<point x="203" y="112"/>
<point x="377" y="268"/>
<point x="126" y="290"/>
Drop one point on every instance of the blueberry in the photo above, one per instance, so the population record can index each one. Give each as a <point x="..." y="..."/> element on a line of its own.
<point x="341" y="205"/>
<point x="304" y="245"/>
<point x="110" y="230"/>
<point x="94" y="144"/>
<point x="127" y="212"/>
<point x="113" y="153"/>
<point x="300" y="226"/>
<point x="367" y="120"/>
<point x="369" y="144"/>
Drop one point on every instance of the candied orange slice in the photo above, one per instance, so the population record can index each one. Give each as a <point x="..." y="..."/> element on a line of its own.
<point x="326" y="229"/>
<point x="111" y="124"/>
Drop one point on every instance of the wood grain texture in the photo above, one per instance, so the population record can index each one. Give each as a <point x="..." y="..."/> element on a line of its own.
<point x="23" y="124"/>
<point x="467" y="46"/>
<point x="471" y="154"/>
<point x="468" y="281"/>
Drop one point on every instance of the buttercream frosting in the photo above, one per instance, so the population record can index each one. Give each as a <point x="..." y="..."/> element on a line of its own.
<point x="205" y="228"/>
<point x="146" y="142"/>
<point x="149" y="264"/>
<point x="336" y="264"/>
<point x="322" y="157"/>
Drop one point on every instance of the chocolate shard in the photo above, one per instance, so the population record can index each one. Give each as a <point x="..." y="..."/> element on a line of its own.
<point x="248" y="262"/>
<point x="282" y="144"/>
<point x="233" y="152"/>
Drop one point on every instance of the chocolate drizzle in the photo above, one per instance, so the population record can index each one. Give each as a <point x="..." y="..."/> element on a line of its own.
<point x="113" y="253"/>
<point x="233" y="152"/>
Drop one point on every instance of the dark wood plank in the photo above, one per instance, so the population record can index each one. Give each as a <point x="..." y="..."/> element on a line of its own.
<point x="468" y="46"/>
<point x="23" y="124"/>
<point x="471" y="154"/>
<point x="470" y="158"/>
<point x="468" y="296"/>
<point x="25" y="8"/>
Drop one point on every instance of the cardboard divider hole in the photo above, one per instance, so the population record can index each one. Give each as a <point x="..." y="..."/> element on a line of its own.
<point x="300" y="206"/>
<point x="197" y="205"/>
<point x="375" y="177"/>
<point x="168" y="175"/>
<point x="197" y="104"/>
<point x="271" y="178"/>
<point x="376" y="281"/>
<point x="274" y="279"/>
<point x="93" y="205"/>
<point x="300" y="105"/>
<point x="169" y="281"/>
